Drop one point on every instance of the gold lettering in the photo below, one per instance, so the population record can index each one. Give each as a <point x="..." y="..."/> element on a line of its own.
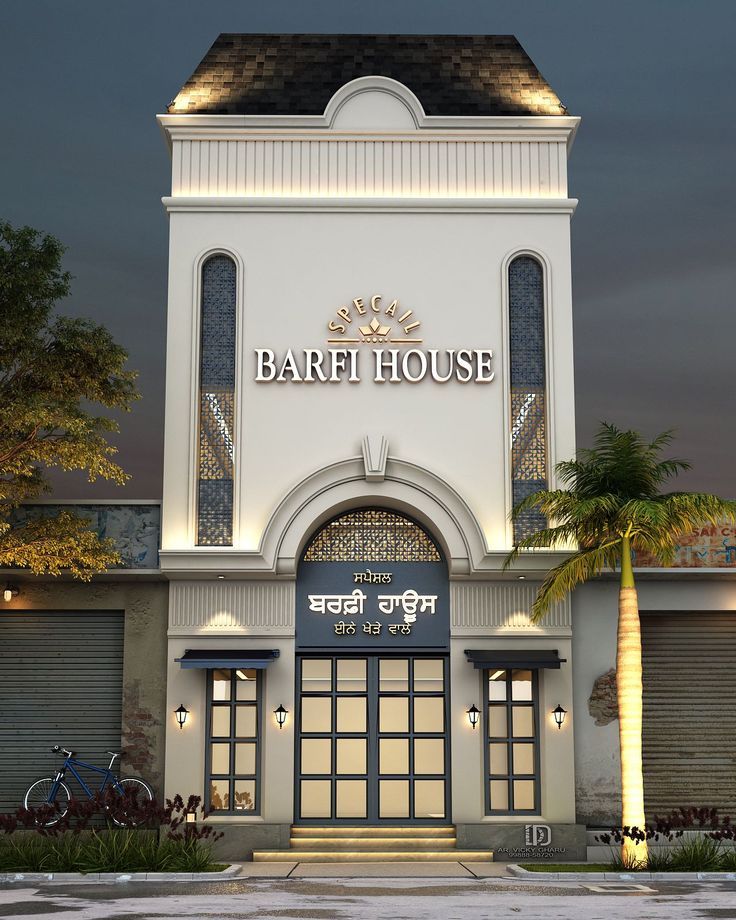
<point x="391" y="308"/>
<point x="375" y="300"/>
<point x="407" y="329"/>
<point x="405" y="316"/>
<point x="344" y="313"/>
<point x="359" y="305"/>
<point x="336" y="327"/>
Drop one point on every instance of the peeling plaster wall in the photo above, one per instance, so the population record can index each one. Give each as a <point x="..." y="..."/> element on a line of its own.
<point x="145" y="604"/>
<point x="598" y="789"/>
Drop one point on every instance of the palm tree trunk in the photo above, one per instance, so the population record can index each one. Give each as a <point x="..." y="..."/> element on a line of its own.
<point x="629" y="689"/>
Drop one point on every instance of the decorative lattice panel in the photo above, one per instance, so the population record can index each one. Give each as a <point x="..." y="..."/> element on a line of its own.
<point x="217" y="362"/>
<point x="216" y="416"/>
<point x="528" y="403"/>
<point x="372" y="536"/>
<point x="217" y="403"/>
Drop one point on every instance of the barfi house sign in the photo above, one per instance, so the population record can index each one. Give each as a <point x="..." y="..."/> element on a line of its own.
<point x="391" y="333"/>
<point x="383" y="605"/>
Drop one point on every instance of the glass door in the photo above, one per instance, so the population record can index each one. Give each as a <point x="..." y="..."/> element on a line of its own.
<point x="372" y="740"/>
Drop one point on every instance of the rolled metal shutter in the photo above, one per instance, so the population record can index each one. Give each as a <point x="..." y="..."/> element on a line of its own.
<point x="61" y="681"/>
<point x="689" y="711"/>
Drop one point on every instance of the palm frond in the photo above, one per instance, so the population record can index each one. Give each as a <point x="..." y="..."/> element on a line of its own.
<point x="578" y="568"/>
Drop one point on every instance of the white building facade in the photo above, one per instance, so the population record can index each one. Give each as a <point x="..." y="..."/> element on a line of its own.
<point x="370" y="361"/>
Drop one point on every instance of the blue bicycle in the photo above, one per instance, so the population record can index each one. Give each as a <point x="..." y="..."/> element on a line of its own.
<point x="53" y="790"/>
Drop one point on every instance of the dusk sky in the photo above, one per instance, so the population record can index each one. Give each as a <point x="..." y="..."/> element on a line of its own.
<point x="654" y="168"/>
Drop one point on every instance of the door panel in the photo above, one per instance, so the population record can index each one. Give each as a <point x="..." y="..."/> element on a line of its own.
<point x="372" y="745"/>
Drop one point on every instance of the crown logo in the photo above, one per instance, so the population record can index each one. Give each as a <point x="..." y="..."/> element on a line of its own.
<point x="400" y="323"/>
<point x="374" y="331"/>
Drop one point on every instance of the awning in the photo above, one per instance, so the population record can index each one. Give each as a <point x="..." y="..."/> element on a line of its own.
<point x="526" y="659"/>
<point x="228" y="658"/>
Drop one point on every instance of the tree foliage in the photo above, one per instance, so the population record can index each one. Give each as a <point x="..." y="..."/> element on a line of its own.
<point x="612" y="498"/>
<point x="56" y="374"/>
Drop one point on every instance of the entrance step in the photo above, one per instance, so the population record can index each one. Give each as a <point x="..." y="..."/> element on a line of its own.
<point x="328" y="856"/>
<point x="329" y="831"/>
<point x="372" y="844"/>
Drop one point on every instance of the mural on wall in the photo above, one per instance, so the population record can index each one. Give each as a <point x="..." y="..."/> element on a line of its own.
<point x="708" y="547"/>
<point x="135" y="529"/>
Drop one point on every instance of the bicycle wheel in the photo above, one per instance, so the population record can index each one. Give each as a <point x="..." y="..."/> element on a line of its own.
<point x="38" y="796"/>
<point x="125" y="810"/>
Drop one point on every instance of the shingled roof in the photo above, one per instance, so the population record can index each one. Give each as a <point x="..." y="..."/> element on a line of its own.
<point x="277" y="74"/>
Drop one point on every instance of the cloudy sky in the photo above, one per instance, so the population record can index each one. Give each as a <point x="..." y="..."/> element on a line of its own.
<point x="654" y="167"/>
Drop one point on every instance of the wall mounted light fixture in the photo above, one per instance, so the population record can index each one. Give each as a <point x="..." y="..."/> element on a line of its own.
<point x="473" y="715"/>
<point x="9" y="592"/>
<point x="281" y="715"/>
<point x="181" y="715"/>
<point x="559" y="713"/>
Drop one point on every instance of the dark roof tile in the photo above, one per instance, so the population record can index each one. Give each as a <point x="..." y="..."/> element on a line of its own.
<point x="278" y="74"/>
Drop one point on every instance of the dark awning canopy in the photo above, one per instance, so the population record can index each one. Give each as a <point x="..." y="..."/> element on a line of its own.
<point x="528" y="659"/>
<point x="228" y="658"/>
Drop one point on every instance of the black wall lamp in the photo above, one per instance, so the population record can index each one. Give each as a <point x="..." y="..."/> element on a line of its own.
<point x="473" y="715"/>
<point x="281" y="715"/>
<point x="181" y="715"/>
<point x="559" y="713"/>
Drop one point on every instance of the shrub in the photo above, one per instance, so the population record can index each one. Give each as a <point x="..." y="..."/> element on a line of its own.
<point x="157" y="838"/>
<point x="700" y="852"/>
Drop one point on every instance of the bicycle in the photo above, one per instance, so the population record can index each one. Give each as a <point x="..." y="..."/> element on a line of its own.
<point x="53" y="791"/>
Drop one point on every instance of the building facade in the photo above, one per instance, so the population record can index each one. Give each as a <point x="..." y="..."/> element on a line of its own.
<point x="369" y="364"/>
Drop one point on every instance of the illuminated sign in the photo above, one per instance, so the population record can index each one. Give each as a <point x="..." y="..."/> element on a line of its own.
<point x="391" y="604"/>
<point x="390" y="334"/>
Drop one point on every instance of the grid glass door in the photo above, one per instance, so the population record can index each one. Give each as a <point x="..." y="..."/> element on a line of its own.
<point x="372" y="741"/>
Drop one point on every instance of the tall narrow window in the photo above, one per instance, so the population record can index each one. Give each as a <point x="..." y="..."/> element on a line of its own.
<point x="528" y="403"/>
<point x="233" y="739"/>
<point x="216" y="403"/>
<point x="512" y="749"/>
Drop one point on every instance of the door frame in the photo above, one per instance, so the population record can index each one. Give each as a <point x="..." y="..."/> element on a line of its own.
<point x="372" y="694"/>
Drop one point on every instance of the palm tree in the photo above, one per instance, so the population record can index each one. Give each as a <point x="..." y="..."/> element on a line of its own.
<point x="611" y="504"/>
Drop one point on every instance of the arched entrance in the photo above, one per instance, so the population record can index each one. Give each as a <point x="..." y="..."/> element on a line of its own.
<point x="372" y="635"/>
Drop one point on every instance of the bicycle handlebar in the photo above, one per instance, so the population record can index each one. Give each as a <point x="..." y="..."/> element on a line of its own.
<point x="56" y="749"/>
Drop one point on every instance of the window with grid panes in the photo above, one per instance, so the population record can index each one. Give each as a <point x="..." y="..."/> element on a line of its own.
<point x="233" y="747"/>
<point x="512" y="742"/>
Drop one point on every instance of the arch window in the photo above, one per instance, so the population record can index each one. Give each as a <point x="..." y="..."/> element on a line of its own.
<point x="528" y="389"/>
<point x="216" y="403"/>
<point x="372" y="535"/>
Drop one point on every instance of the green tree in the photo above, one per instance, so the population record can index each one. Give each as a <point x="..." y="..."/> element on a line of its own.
<point x="54" y="372"/>
<point x="611" y="503"/>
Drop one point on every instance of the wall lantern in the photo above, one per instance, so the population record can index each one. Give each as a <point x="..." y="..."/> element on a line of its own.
<point x="559" y="713"/>
<point x="181" y="715"/>
<point x="473" y="714"/>
<point x="281" y="715"/>
<point x="9" y="592"/>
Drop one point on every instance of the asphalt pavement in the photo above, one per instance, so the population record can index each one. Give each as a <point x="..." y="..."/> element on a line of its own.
<point x="371" y="899"/>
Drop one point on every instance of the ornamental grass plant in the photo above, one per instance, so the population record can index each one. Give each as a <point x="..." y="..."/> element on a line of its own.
<point x="158" y="838"/>
<point x="696" y="839"/>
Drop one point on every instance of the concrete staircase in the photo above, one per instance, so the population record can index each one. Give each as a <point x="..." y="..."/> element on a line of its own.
<point x="372" y="844"/>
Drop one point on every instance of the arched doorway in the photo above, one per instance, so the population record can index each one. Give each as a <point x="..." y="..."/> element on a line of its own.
<point x="372" y="635"/>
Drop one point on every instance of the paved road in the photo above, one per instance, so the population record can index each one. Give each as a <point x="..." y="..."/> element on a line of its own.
<point x="369" y="899"/>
